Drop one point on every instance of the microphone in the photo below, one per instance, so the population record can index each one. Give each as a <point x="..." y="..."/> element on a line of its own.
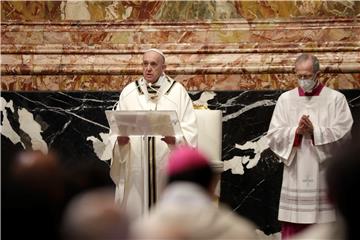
<point x="152" y="90"/>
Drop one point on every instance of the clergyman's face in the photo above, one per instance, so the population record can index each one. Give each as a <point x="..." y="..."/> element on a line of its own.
<point x="304" y="70"/>
<point x="153" y="66"/>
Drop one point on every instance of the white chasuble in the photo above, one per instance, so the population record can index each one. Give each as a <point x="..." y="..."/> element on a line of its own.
<point x="303" y="196"/>
<point x="140" y="175"/>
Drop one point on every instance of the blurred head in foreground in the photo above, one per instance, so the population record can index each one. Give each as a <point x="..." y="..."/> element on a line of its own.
<point x="187" y="164"/>
<point x="94" y="216"/>
<point x="186" y="209"/>
<point x="34" y="196"/>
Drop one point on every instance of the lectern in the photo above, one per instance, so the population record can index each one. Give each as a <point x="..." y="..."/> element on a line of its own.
<point x="146" y="125"/>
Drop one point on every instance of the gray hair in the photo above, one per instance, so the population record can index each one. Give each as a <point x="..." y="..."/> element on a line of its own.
<point x="305" y="57"/>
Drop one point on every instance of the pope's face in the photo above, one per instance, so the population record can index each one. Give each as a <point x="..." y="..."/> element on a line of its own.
<point x="153" y="66"/>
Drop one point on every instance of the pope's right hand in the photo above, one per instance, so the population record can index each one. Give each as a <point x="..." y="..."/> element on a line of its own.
<point x="122" y="140"/>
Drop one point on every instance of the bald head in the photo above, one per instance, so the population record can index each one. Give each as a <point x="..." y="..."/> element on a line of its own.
<point x="308" y="60"/>
<point x="37" y="170"/>
<point x="93" y="215"/>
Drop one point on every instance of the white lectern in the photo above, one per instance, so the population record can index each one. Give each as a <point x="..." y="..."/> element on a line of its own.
<point x="147" y="125"/>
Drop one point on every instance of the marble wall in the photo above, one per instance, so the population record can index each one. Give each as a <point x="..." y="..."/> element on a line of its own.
<point x="64" y="62"/>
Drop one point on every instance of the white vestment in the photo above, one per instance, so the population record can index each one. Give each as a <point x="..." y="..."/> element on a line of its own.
<point x="186" y="211"/>
<point x="303" y="194"/>
<point x="136" y="189"/>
